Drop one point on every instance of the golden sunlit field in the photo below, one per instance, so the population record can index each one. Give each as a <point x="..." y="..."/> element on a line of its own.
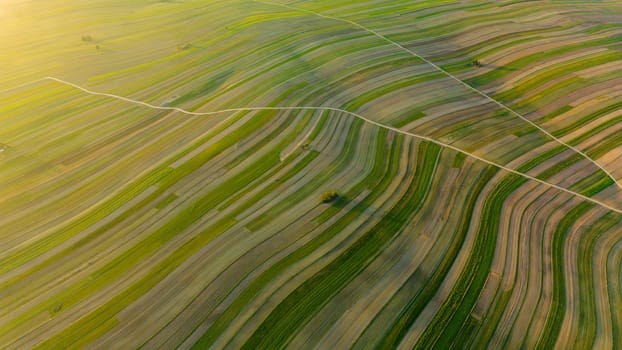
<point x="310" y="174"/>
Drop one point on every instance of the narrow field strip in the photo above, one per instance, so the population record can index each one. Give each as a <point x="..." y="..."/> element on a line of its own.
<point x="451" y="76"/>
<point x="367" y="120"/>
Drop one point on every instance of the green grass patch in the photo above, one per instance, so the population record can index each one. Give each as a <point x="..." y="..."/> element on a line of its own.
<point x="555" y="113"/>
<point x="406" y="118"/>
<point x="593" y="184"/>
<point x="166" y="201"/>
<point x="459" y="160"/>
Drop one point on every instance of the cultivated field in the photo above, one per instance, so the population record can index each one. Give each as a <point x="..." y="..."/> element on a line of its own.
<point x="310" y="174"/>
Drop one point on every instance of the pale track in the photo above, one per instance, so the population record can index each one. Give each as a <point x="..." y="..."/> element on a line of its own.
<point x="449" y="75"/>
<point x="367" y="120"/>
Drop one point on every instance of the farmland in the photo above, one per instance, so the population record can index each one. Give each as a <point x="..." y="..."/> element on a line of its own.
<point x="311" y="174"/>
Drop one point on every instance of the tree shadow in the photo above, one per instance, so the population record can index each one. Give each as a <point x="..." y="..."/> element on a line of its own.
<point x="340" y="202"/>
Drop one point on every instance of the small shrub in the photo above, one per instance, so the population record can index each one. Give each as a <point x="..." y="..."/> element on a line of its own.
<point x="184" y="47"/>
<point x="57" y="308"/>
<point x="87" y="38"/>
<point x="329" y="196"/>
<point x="476" y="63"/>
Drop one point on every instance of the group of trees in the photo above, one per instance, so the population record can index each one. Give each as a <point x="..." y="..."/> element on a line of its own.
<point x="89" y="39"/>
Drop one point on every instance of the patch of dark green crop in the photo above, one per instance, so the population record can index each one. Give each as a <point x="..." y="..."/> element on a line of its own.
<point x="210" y="86"/>
<point x="541" y="158"/>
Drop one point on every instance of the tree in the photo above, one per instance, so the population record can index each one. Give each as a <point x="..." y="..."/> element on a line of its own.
<point x="329" y="196"/>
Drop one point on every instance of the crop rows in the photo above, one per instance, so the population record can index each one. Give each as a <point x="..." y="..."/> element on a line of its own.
<point x="435" y="184"/>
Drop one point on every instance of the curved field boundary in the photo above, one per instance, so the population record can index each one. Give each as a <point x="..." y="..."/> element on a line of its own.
<point x="449" y="75"/>
<point x="367" y="120"/>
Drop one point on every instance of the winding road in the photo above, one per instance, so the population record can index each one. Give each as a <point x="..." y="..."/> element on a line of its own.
<point x="449" y="75"/>
<point x="367" y="120"/>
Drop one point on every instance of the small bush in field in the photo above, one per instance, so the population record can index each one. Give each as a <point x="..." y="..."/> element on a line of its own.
<point x="329" y="196"/>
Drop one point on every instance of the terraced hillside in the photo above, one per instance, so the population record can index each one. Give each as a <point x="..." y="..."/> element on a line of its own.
<point x="311" y="174"/>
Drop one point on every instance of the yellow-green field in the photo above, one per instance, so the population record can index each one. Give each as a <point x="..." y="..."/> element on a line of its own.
<point x="310" y="174"/>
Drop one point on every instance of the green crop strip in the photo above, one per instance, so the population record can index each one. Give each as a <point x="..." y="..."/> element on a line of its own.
<point x="379" y="91"/>
<point x="380" y="177"/>
<point x="601" y="27"/>
<point x="303" y="302"/>
<point x="205" y="89"/>
<point x="80" y="333"/>
<point x="166" y="201"/>
<point x="585" y="263"/>
<point x="551" y="73"/>
<point x="290" y="58"/>
<point x="266" y="138"/>
<point x="21" y="257"/>
<point x="558" y="167"/>
<point x="154" y="242"/>
<point x="345" y="157"/>
<point x="614" y="289"/>
<point x="136" y="227"/>
<point x="465" y="64"/>
<point x="156" y="176"/>
<point x="417" y="303"/>
<point x="459" y="160"/>
<point x="551" y="95"/>
<point x="520" y="35"/>
<point x="556" y="313"/>
<point x="440" y="31"/>
<point x="130" y="257"/>
<point x="593" y="184"/>
<point x="166" y="232"/>
<point x="442" y="331"/>
<point x="555" y="113"/>
<point x="541" y="158"/>
<point x="612" y="141"/>
<point x="481" y="340"/>
<point x="499" y="73"/>
<point x="377" y="172"/>
<point x="588" y="118"/>
<point x="302" y="164"/>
